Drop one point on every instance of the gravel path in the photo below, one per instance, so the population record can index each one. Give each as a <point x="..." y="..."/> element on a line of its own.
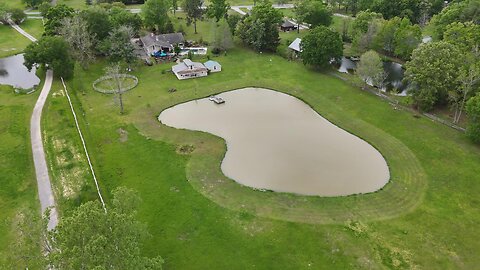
<point x="45" y="192"/>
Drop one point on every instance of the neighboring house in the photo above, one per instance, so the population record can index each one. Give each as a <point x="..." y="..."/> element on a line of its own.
<point x="188" y="69"/>
<point x="295" y="45"/>
<point x="287" y="26"/>
<point x="213" y="66"/>
<point x="166" y="42"/>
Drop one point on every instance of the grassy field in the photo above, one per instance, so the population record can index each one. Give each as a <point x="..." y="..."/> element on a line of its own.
<point x="18" y="189"/>
<point x="11" y="42"/>
<point x="425" y="218"/>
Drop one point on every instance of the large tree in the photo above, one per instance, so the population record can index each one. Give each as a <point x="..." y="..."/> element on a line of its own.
<point x="55" y="16"/>
<point x="51" y="51"/>
<point x="461" y="11"/>
<point x="320" y="45"/>
<point x="313" y="12"/>
<point x="259" y="30"/>
<point x="75" y="31"/>
<point x="407" y="38"/>
<point x="155" y="14"/>
<point x="122" y="17"/>
<point x="98" y="22"/>
<point x="433" y="71"/>
<point x="90" y="238"/>
<point x="118" y="46"/>
<point x="218" y="9"/>
<point x="370" y="69"/>
<point x="194" y="11"/>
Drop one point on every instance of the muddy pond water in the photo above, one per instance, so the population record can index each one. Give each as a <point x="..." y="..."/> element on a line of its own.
<point x="14" y="73"/>
<point x="277" y="142"/>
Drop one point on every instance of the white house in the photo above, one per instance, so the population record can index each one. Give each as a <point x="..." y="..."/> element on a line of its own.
<point x="188" y="69"/>
<point x="213" y="66"/>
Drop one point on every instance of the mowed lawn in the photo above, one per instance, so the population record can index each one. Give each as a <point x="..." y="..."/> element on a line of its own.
<point x="11" y="42"/>
<point x="18" y="188"/>
<point x="191" y="231"/>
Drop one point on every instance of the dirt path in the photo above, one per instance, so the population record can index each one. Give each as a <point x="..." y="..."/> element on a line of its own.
<point x="45" y="192"/>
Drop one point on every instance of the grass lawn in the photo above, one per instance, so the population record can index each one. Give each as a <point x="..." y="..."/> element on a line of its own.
<point x="15" y="4"/>
<point x="198" y="217"/>
<point x="11" y="42"/>
<point x="76" y="4"/>
<point x="18" y="188"/>
<point x="426" y="217"/>
<point x="34" y="27"/>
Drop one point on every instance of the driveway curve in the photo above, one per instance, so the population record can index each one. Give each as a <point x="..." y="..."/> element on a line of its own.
<point x="45" y="193"/>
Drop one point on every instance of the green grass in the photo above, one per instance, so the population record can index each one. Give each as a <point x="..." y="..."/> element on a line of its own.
<point x="76" y="4"/>
<point x="34" y="27"/>
<point x="209" y="220"/>
<point x="426" y="217"/>
<point x="18" y="189"/>
<point x="11" y="42"/>
<point x="15" y="4"/>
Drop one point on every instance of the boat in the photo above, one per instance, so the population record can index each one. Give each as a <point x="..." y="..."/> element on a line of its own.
<point x="217" y="100"/>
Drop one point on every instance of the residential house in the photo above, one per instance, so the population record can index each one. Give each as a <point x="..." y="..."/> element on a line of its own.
<point x="213" y="66"/>
<point x="189" y="69"/>
<point x="287" y="26"/>
<point x="166" y="42"/>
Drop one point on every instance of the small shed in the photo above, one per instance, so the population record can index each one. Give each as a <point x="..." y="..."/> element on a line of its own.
<point x="295" y="45"/>
<point x="213" y="66"/>
<point x="287" y="26"/>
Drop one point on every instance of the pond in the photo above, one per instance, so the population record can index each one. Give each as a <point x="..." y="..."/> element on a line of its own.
<point x="394" y="70"/>
<point x="277" y="142"/>
<point x="14" y="73"/>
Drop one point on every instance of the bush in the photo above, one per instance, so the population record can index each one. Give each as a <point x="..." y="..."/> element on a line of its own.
<point x="17" y="15"/>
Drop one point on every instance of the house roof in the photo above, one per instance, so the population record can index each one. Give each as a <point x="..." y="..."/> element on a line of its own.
<point x="295" y="45"/>
<point x="188" y="66"/>
<point x="287" y="24"/>
<point x="163" y="39"/>
<point x="210" y="64"/>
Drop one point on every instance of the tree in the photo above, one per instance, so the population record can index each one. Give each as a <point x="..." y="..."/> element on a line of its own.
<point x="75" y="32"/>
<point x="433" y="71"/>
<point x="54" y="17"/>
<point x="33" y="3"/>
<point x="17" y="15"/>
<point x="108" y="240"/>
<point x="300" y="11"/>
<point x="194" y="11"/>
<point x="51" y="51"/>
<point x="473" y="112"/>
<point x="370" y="69"/>
<point x="461" y="11"/>
<point x="318" y="14"/>
<point x="118" y="46"/>
<point x="223" y="39"/>
<point x="232" y="21"/>
<point x="320" y="45"/>
<point x="465" y="36"/>
<point x="407" y="38"/>
<point x="218" y="9"/>
<point x="385" y="39"/>
<point x="44" y="7"/>
<point x="468" y="80"/>
<point x="121" y="17"/>
<point x="155" y="14"/>
<point x="260" y="29"/>
<point x="98" y="22"/>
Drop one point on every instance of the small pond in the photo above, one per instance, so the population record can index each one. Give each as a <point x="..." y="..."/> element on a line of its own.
<point x="14" y="73"/>
<point x="277" y="142"/>
<point x="394" y="70"/>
